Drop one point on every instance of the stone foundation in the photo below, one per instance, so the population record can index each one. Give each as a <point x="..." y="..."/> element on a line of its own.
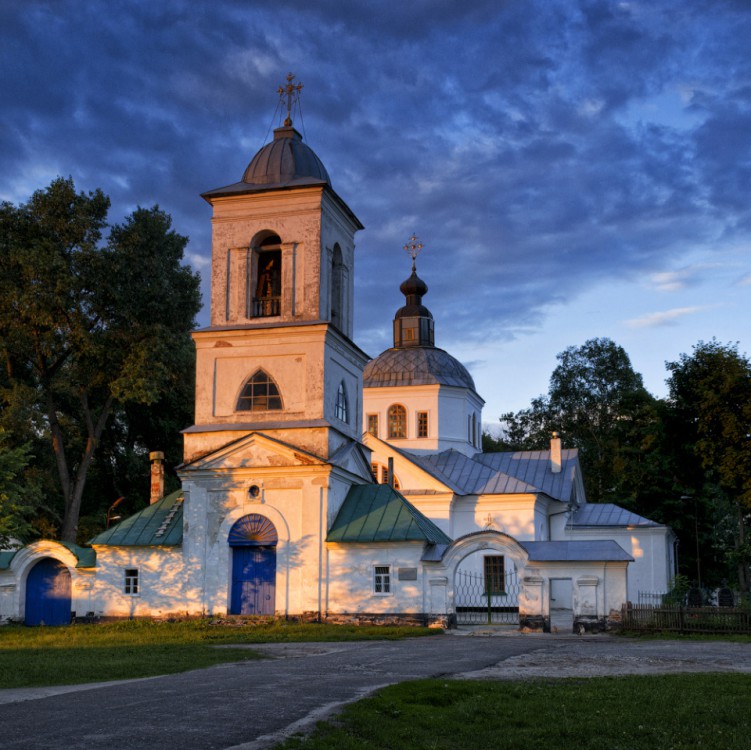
<point x="394" y="619"/>
<point x="534" y="623"/>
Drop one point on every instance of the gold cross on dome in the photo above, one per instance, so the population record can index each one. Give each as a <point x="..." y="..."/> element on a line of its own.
<point x="413" y="248"/>
<point x="290" y="91"/>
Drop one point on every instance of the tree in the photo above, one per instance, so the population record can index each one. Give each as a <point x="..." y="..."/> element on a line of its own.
<point x="598" y="403"/>
<point x="17" y="497"/>
<point x="710" y="394"/>
<point x="88" y="329"/>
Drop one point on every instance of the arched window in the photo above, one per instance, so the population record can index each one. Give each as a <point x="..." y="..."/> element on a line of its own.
<point x="337" y="288"/>
<point x="259" y="394"/>
<point x="342" y="410"/>
<point x="397" y="418"/>
<point x="267" y="300"/>
<point x="381" y="475"/>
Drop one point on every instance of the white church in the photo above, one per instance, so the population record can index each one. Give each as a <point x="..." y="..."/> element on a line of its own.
<point x="320" y="483"/>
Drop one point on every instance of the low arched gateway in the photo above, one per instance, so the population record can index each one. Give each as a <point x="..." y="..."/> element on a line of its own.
<point x="483" y="573"/>
<point x="48" y="593"/>
<point x="253" y="539"/>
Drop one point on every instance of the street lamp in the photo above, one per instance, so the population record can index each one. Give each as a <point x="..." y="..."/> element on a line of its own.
<point x="111" y="516"/>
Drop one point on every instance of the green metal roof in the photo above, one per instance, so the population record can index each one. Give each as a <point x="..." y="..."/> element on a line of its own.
<point x="85" y="555"/>
<point x="159" y="525"/>
<point x="378" y="513"/>
<point x="6" y="556"/>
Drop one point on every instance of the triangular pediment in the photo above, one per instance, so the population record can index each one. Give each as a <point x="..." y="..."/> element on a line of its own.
<point x="255" y="450"/>
<point x="353" y="458"/>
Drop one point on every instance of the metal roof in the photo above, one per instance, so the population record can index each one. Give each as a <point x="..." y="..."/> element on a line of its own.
<point x="6" y="556"/>
<point x="286" y="158"/>
<point x="516" y="472"/>
<point x="85" y="556"/>
<point x="607" y="514"/>
<point x="159" y="525"/>
<point x="378" y="513"/>
<point x="416" y="365"/>
<point x="599" y="551"/>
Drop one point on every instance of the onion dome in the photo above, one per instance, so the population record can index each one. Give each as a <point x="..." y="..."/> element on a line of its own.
<point x="413" y="323"/>
<point x="284" y="161"/>
<point x="414" y="358"/>
<point x="416" y="366"/>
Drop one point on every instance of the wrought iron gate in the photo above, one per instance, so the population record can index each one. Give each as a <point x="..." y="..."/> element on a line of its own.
<point x="475" y="607"/>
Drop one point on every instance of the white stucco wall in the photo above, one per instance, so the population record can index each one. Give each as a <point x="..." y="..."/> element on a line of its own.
<point x="350" y="571"/>
<point x="162" y="583"/>
<point x="652" y="548"/>
<point x="448" y="409"/>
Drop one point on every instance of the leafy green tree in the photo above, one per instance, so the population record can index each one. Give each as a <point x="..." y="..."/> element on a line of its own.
<point x="710" y="395"/>
<point x="90" y="330"/>
<point x="598" y="403"/>
<point x="17" y="497"/>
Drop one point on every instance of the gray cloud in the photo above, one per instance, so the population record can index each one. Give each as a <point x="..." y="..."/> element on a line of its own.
<point x="503" y="134"/>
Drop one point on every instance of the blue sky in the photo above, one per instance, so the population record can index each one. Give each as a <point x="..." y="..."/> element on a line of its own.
<point x="574" y="169"/>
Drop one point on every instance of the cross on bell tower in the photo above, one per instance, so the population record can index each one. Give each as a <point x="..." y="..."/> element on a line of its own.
<point x="291" y="92"/>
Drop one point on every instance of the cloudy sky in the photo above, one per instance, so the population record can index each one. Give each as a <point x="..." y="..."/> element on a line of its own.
<point x="574" y="168"/>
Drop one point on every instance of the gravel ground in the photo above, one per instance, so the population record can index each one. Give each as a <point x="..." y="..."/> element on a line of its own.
<point x="607" y="656"/>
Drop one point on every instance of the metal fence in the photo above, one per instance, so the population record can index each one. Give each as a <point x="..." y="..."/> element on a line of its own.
<point x="680" y="619"/>
<point x="475" y="607"/>
<point x="694" y="597"/>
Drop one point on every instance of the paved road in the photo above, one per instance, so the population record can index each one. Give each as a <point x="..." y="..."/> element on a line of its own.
<point x="250" y="705"/>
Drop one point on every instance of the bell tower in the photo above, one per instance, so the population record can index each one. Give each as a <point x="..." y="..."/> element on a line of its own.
<point x="278" y="355"/>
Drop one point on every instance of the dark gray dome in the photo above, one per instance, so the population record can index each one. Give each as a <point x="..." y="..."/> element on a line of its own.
<point x="285" y="160"/>
<point x="416" y="366"/>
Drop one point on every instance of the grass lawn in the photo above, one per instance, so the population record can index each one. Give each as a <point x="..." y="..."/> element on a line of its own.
<point x="676" y="712"/>
<point x="33" y="657"/>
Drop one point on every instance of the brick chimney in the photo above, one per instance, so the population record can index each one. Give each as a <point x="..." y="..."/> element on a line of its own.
<point x="555" y="453"/>
<point x="157" y="476"/>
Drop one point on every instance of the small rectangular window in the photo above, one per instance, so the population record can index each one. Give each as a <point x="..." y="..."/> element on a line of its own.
<point x="131" y="581"/>
<point x="382" y="579"/>
<point x="495" y="580"/>
<point x="374" y="471"/>
<point x="385" y="476"/>
<point x="373" y="424"/>
<point x="422" y="424"/>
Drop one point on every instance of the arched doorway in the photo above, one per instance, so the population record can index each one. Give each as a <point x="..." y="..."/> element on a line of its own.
<point x="486" y="589"/>
<point x="48" y="593"/>
<point x="253" y="540"/>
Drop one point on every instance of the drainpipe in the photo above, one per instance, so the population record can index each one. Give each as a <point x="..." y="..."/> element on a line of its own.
<point x="391" y="471"/>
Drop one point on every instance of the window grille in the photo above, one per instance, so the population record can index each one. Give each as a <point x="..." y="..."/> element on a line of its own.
<point x="382" y="579"/>
<point x="397" y="421"/>
<point x="373" y="424"/>
<point x="495" y="579"/>
<point x="131" y="581"/>
<point x="341" y="403"/>
<point x="422" y="424"/>
<point x="259" y="394"/>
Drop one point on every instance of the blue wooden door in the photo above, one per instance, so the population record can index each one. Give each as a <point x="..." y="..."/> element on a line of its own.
<point x="253" y="580"/>
<point x="48" y="594"/>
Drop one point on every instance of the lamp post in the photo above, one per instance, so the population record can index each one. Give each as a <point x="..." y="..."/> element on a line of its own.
<point x="111" y="516"/>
